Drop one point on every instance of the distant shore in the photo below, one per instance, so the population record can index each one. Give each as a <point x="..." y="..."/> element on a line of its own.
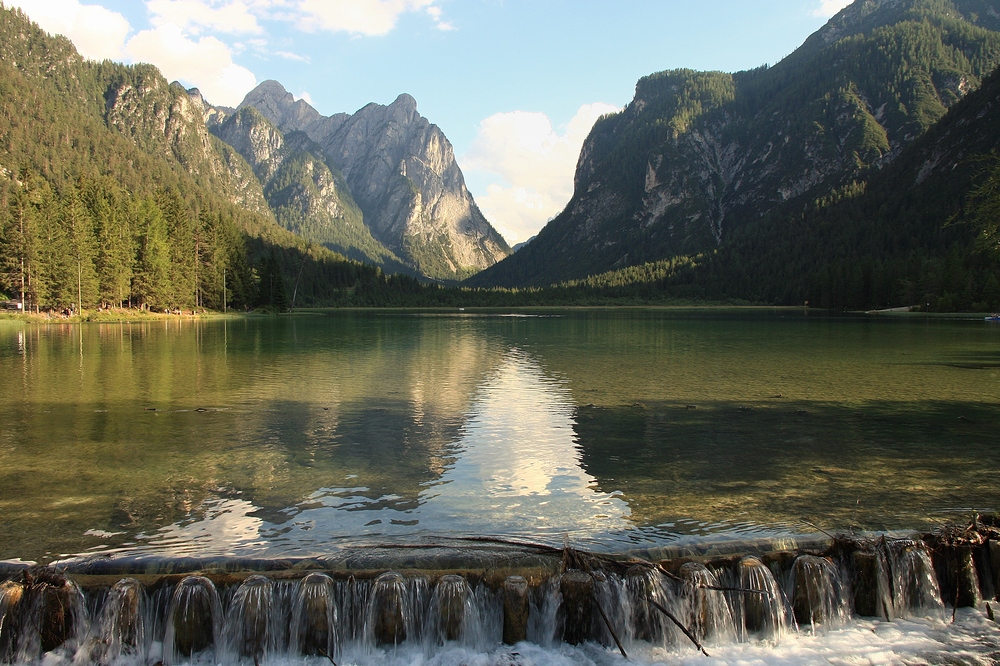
<point x="128" y="315"/>
<point x="111" y="316"/>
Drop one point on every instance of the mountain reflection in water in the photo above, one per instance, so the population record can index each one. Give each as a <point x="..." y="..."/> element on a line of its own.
<point x="617" y="428"/>
<point x="512" y="469"/>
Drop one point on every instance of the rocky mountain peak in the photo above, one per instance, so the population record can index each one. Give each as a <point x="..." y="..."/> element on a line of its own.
<point x="404" y="107"/>
<point x="280" y="107"/>
<point x="398" y="167"/>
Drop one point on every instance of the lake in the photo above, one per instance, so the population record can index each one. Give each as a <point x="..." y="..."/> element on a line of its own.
<point x="612" y="429"/>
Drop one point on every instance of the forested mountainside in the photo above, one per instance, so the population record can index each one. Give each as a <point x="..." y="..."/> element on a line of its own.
<point x="112" y="191"/>
<point x="381" y="185"/>
<point x="917" y="233"/>
<point x="699" y="161"/>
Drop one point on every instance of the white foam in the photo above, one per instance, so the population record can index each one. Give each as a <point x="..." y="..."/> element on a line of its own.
<point x="971" y="639"/>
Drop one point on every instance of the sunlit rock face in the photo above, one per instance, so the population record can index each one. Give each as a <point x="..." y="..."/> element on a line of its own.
<point x="401" y="171"/>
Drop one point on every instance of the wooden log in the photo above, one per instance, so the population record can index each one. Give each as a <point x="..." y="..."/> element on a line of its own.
<point x="57" y="598"/>
<point x="642" y="586"/>
<point x="254" y="630"/>
<point x="515" y="610"/>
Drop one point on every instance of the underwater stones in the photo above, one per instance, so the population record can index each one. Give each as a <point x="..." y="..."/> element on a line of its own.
<point x="515" y="609"/>
<point x="577" y="588"/>
<point x="872" y="594"/>
<point x="314" y="617"/>
<point x="389" y="609"/>
<point x="193" y="615"/>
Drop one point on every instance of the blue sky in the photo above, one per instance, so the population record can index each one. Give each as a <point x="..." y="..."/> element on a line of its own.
<point x="514" y="84"/>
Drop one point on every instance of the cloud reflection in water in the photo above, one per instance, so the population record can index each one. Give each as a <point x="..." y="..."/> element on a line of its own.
<point x="515" y="471"/>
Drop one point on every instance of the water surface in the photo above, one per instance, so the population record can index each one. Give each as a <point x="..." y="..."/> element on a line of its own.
<point x="614" y="429"/>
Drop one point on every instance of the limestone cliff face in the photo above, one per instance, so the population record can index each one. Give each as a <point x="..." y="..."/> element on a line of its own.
<point x="696" y="153"/>
<point x="164" y="119"/>
<point x="401" y="171"/>
<point x="306" y="195"/>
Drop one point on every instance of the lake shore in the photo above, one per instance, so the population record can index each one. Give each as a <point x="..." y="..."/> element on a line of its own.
<point x="131" y="315"/>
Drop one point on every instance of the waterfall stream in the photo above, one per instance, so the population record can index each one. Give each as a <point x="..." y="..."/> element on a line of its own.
<point x="787" y="605"/>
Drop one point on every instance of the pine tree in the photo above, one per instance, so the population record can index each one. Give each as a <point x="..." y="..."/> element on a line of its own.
<point x="151" y="285"/>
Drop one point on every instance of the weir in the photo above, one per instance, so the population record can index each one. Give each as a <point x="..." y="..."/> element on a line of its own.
<point x="477" y="596"/>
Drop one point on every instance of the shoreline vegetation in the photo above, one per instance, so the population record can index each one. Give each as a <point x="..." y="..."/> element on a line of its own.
<point x="135" y="315"/>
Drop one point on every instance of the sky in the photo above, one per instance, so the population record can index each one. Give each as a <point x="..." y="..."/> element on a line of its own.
<point x="515" y="85"/>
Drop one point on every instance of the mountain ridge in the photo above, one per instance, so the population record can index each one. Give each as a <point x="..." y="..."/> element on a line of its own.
<point x="399" y="170"/>
<point x="696" y="154"/>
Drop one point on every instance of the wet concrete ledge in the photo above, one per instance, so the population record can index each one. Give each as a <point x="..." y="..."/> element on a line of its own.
<point x="486" y="561"/>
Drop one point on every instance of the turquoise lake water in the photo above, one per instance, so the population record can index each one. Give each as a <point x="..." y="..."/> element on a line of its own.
<point x="614" y="429"/>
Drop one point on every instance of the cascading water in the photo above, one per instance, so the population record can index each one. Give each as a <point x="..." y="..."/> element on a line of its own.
<point x="43" y="613"/>
<point x="454" y="615"/>
<point x="645" y="588"/>
<point x="194" y="620"/>
<point x="252" y="621"/>
<point x="872" y="586"/>
<point x="914" y="583"/>
<point x="817" y="594"/>
<point x="389" y="619"/>
<point x="418" y="618"/>
<point x="122" y="628"/>
<point x="759" y="608"/>
<point x="314" y="625"/>
<point x="543" y="613"/>
<point x="706" y="610"/>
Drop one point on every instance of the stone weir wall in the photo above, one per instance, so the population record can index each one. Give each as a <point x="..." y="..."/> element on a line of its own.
<point x="97" y="610"/>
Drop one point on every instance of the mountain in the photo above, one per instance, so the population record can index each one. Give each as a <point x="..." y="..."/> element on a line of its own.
<point x="113" y="191"/>
<point x="391" y="164"/>
<point x="906" y="235"/>
<point x="522" y="244"/>
<point x="307" y="194"/>
<point x="698" y="155"/>
<point x="921" y="232"/>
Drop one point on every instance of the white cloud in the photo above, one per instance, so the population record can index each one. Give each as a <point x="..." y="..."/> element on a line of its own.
<point x="828" y="8"/>
<point x="206" y="63"/>
<point x="288" y="55"/>
<point x="98" y="33"/>
<point x="435" y="14"/>
<point x="361" y="17"/>
<point x="308" y="98"/>
<point x="225" y="16"/>
<point x="535" y="164"/>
